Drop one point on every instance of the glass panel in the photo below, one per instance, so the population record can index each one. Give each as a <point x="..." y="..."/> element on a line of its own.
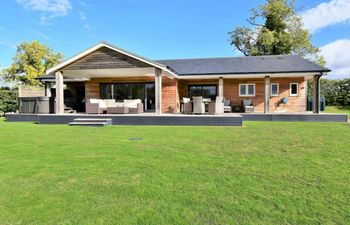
<point x="251" y="89"/>
<point x="209" y="92"/>
<point x="242" y="89"/>
<point x="294" y="89"/>
<point x="121" y="92"/>
<point x="150" y="97"/>
<point x="106" y="91"/>
<point x="138" y="91"/>
<point x="274" y="89"/>
<point x="195" y="91"/>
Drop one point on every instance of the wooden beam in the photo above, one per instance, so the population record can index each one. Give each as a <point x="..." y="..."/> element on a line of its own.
<point x="158" y="90"/>
<point x="221" y="87"/>
<point x="59" y="93"/>
<point x="267" y="95"/>
<point x="316" y="94"/>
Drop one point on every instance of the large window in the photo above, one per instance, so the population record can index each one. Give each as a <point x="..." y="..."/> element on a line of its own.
<point x="275" y="89"/>
<point x="207" y="91"/>
<point x="246" y="90"/>
<point x="121" y="91"/>
<point x="294" y="89"/>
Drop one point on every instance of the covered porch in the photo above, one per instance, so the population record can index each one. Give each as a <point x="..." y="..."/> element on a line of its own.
<point x="107" y="72"/>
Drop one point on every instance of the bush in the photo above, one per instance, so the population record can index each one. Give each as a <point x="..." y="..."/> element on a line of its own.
<point x="8" y="100"/>
<point x="336" y="92"/>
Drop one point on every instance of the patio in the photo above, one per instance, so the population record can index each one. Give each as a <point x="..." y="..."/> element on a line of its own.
<point x="227" y="119"/>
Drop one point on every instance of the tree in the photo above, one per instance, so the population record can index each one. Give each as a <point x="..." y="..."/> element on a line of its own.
<point x="8" y="100"/>
<point x="31" y="60"/>
<point x="281" y="32"/>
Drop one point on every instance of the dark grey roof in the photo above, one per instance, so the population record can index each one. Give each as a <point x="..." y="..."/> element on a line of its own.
<point x="238" y="65"/>
<point x="243" y="65"/>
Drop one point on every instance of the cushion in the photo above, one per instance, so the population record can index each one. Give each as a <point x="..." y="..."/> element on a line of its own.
<point x="93" y="100"/>
<point x="247" y="102"/>
<point x="110" y="102"/>
<point x="119" y="104"/>
<point x="131" y="103"/>
<point x="101" y="103"/>
<point x="186" y="100"/>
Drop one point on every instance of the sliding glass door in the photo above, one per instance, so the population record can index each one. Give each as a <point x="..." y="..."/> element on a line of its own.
<point x="121" y="91"/>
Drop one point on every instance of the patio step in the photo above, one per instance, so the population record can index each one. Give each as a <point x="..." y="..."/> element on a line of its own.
<point x="94" y="122"/>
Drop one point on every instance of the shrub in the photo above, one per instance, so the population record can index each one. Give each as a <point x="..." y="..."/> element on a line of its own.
<point x="8" y="100"/>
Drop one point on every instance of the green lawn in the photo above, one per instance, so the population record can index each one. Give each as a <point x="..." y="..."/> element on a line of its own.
<point x="263" y="173"/>
<point x="338" y="109"/>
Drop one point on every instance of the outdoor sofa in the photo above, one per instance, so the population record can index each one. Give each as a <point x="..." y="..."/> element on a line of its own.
<point x="110" y="106"/>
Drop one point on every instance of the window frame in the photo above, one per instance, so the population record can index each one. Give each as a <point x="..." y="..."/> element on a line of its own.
<point x="278" y="90"/>
<point x="246" y="94"/>
<point x="290" y="89"/>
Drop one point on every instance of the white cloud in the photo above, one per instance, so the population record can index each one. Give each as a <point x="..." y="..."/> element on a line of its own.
<point x="82" y="15"/>
<point x="326" y="14"/>
<point x="53" y="7"/>
<point x="8" y="43"/>
<point x="337" y="55"/>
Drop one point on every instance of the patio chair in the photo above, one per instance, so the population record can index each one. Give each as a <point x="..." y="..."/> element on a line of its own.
<point x="248" y="106"/>
<point x="227" y="105"/>
<point x="135" y="105"/>
<point x="186" y="105"/>
<point x="216" y="107"/>
<point x="198" y="105"/>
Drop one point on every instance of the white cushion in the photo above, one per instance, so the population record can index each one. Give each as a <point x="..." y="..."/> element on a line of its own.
<point x="93" y="100"/>
<point x="119" y="104"/>
<point x="101" y="103"/>
<point x="186" y="100"/>
<point x="247" y="102"/>
<point x="110" y="102"/>
<point x="131" y="103"/>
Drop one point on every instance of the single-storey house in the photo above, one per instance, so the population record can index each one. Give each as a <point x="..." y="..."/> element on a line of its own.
<point x="271" y="83"/>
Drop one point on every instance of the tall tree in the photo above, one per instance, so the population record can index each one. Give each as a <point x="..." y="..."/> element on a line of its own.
<point x="276" y="29"/>
<point x="31" y="60"/>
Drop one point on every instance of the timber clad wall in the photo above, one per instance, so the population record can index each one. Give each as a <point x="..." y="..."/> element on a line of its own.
<point x="231" y="87"/>
<point x="170" y="101"/>
<point x="173" y="90"/>
<point x="295" y="103"/>
<point x="105" y="58"/>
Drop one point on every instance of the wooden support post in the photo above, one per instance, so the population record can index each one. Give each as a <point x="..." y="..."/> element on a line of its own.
<point x="221" y="87"/>
<point x="59" y="93"/>
<point x="316" y="94"/>
<point x="158" y="90"/>
<point x="267" y="95"/>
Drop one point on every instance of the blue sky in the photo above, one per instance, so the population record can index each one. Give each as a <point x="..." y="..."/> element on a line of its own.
<point x="161" y="29"/>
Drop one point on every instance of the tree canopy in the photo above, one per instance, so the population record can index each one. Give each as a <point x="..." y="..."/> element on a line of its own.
<point x="276" y="29"/>
<point x="31" y="60"/>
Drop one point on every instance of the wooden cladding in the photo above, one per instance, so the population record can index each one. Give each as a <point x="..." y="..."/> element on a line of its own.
<point x="173" y="90"/>
<point x="105" y="58"/>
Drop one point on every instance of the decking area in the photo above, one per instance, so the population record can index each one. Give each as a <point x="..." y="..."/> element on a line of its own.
<point x="228" y="119"/>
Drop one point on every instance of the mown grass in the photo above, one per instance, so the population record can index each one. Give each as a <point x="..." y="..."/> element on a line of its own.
<point x="263" y="173"/>
<point x="338" y="109"/>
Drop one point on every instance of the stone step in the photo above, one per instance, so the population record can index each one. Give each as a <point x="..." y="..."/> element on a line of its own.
<point x="92" y="120"/>
<point x="91" y="124"/>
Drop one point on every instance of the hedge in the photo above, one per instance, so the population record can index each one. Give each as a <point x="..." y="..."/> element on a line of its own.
<point x="336" y="92"/>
